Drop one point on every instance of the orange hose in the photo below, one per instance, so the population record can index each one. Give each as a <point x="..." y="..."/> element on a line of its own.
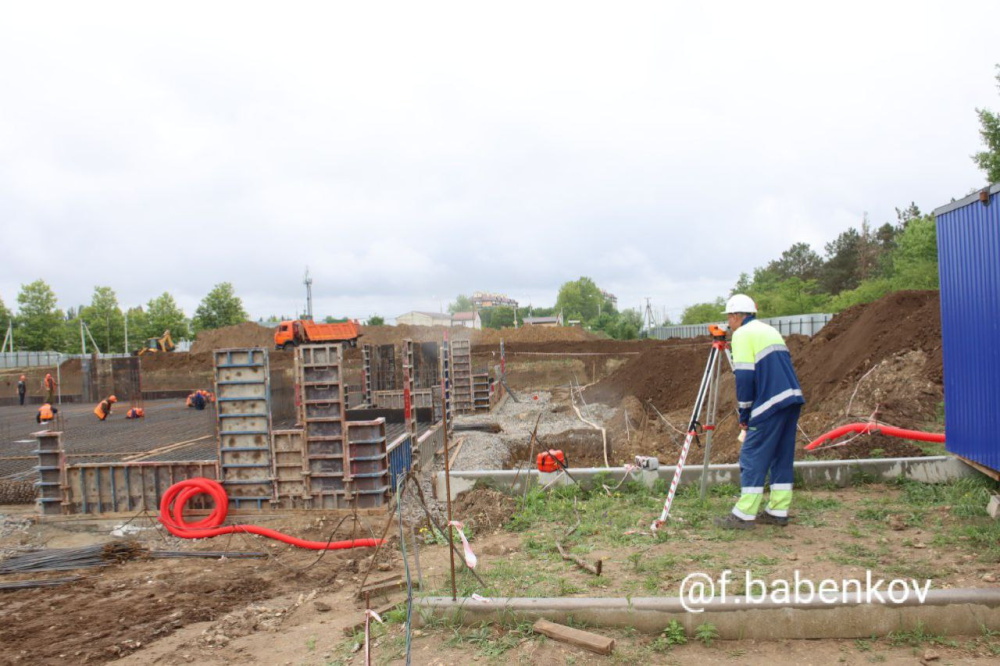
<point x="873" y="428"/>
<point x="177" y="496"/>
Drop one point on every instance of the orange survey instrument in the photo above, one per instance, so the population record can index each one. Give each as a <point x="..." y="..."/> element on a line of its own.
<point x="303" y="331"/>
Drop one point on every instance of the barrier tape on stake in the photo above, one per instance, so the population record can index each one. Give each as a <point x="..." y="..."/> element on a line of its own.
<point x="673" y="484"/>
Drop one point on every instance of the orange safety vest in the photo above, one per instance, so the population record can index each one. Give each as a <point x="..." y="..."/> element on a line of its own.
<point x="102" y="410"/>
<point x="45" y="412"/>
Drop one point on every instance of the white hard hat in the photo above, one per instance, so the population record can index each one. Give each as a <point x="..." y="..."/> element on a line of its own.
<point x="741" y="303"/>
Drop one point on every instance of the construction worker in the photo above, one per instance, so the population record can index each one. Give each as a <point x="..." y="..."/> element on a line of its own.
<point x="135" y="413"/>
<point x="769" y="400"/>
<point x="22" y="388"/>
<point x="198" y="400"/>
<point x="46" y="413"/>
<point x="103" y="409"/>
<point x="49" y="384"/>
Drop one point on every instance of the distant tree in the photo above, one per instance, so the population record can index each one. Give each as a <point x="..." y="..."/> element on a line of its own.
<point x="797" y="261"/>
<point x="105" y="320"/>
<point x="628" y="325"/>
<point x="163" y="314"/>
<point x="841" y="265"/>
<point x="539" y="312"/>
<point x="989" y="130"/>
<point x="138" y="327"/>
<point x="915" y="262"/>
<point x="221" y="307"/>
<point x="330" y="319"/>
<point x="40" y="324"/>
<point x="376" y="320"/>
<point x="581" y="299"/>
<point x="704" y="313"/>
<point x="462" y="304"/>
<point x="501" y="317"/>
<point x="6" y="316"/>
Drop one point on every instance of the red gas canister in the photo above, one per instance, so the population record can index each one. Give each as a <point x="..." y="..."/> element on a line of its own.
<point x="551" y="461"/>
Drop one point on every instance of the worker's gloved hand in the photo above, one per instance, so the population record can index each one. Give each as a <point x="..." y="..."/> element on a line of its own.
<point x="743" y="433"/>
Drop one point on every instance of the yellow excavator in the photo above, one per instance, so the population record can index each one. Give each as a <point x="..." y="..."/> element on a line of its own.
<point x="164" y="343"/>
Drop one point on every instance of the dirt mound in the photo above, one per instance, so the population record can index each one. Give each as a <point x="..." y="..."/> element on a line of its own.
<point x="247" y="334"/>
<point x="668" y="374"/>
<point x="882" y="358"/>
<point x="485" y="508"/>
<point x="865" y="335"/>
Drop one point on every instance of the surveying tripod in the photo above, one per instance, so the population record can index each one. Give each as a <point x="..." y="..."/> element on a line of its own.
<point x="709" y="389"/>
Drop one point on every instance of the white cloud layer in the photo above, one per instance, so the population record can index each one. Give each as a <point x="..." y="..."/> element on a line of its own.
<point x="408" y="152"/>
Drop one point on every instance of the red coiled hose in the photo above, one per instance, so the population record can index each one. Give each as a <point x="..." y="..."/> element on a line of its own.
<point x="178" y="495"/>
<point x="871" y="428"/>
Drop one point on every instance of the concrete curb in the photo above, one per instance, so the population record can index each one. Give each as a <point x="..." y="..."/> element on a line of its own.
<point x="951" y="612"/>
<point x="929" y="469"/>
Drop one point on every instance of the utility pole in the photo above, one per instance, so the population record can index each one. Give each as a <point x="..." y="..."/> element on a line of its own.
<point x="126" y="331"/>
<point x="309" y="295"/>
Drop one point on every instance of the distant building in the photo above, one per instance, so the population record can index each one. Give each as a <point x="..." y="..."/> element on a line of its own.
<point x="467" y="319"/>
<point x="543" y="321"/>
<point x="611" y="298"/>
<point x="417" y="318"/>
<point x="482" y="299"/>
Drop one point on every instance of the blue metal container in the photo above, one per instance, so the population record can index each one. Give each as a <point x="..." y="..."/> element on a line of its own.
<point x="968" y="236"/>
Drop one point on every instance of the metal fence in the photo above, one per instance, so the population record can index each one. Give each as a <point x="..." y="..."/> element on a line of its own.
<point x="26" y="359"/>
<point x="809" y="324"/>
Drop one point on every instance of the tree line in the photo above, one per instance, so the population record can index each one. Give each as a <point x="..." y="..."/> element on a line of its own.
<point x="860" y="265"/>
<point x="40" y="325"/>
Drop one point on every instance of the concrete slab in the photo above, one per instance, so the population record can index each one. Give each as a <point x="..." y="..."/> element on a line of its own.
<point x="929" y="469"/>
<point x="951" y="612"/>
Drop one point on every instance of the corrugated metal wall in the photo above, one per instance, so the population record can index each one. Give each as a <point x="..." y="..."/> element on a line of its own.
<point x="969" y="263"/>
<point x="808" y="324"/>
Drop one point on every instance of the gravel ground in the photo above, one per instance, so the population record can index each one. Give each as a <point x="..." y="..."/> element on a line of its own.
<point x="517" y="420"/>
<point x="492" y="450"/>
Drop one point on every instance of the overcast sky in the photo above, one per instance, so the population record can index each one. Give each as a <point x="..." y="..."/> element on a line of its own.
<point x="410" y="152"/>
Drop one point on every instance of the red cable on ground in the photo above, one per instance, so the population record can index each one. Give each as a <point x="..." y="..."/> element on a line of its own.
<point x="872" y="428"/>
<point x="178" y="495"/>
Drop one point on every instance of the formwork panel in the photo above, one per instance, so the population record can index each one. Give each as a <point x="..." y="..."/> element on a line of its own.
<point x="242" y="387"/>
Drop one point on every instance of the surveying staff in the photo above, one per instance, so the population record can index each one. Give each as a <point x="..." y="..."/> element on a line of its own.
<point x="769" y="400"/>
<point x="46" y="413"/>
<point x="49" y="384"/>
<point x="103" y="409"/>
<point x="22" y="388"/>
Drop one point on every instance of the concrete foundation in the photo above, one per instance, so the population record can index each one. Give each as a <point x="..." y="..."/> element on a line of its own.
<point x="930" y="469"/>
<point x="952" y="612"/>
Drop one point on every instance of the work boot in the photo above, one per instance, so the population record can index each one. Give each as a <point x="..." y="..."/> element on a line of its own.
<point x="733" y="522"/>
<point x="767" y="519"/>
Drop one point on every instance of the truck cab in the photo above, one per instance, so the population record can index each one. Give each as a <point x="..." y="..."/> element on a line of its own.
<point x="284" y="335"/>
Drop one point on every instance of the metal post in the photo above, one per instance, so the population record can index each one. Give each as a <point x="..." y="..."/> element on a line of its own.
<point x="83" y="341"/>
<point x="447" y="488"/>
<point x="713" y="403"/>
<point x="126" y="331"/>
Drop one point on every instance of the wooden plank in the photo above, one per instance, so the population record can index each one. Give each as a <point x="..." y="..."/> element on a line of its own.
<point x="381" y="610"/>
<point x="577" y="637"/>
<point x="992" y="473"/>
<point x="458" y="448"/>
<point x="382" y="586"/>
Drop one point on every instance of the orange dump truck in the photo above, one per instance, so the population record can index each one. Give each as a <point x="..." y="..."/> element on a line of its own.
<point x="303" y="331"/>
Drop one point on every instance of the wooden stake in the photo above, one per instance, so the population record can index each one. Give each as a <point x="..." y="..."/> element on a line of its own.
<point x="583" y="639"/>
<point x="596" y="570"/>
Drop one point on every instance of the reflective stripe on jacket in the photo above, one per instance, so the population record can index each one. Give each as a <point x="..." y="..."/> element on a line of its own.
<point x="765" y="378"/>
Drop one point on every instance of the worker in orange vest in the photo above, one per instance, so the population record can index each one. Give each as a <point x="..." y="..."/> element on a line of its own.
<point x="103" y="409"/>
<point x="49" y="384"/>
<point x="46" y="413"/>
<point x="135" y="413"/>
